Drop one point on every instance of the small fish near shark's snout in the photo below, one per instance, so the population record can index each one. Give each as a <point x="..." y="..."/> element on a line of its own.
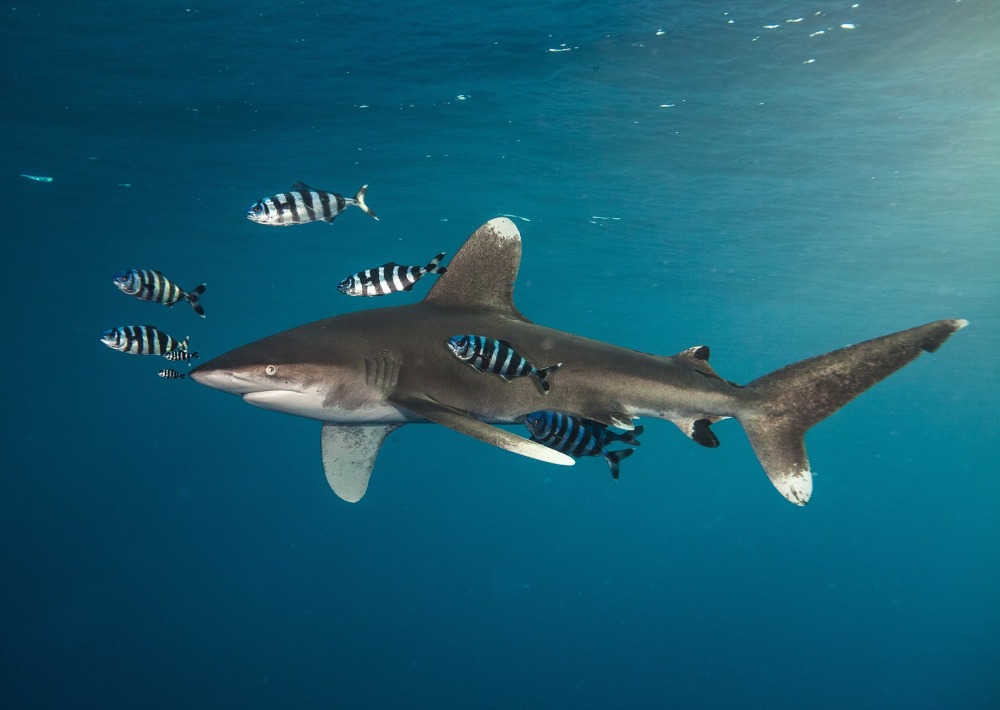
<point x="367" y="373"/>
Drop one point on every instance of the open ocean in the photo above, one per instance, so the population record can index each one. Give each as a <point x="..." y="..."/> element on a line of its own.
<point x="772" y="179"/>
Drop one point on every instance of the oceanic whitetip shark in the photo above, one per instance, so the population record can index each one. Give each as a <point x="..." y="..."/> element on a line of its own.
<point x="364" y="374"/>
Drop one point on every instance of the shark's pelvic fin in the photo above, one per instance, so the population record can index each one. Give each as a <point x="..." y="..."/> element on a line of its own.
<point x="783" y="405"/>
<point x="349" y="452"/>
<point x="482" y="272"/>
<point x="615" y="419"/>
<point x="465" y="424"/>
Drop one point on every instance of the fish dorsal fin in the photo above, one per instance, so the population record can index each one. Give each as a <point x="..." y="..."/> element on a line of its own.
<point x="301" y="186"/>
<point x="481" y="275"/>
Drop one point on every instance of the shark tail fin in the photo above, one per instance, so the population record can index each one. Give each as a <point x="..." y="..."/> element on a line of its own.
<point x="614" y="458"/>
<point x="541" y="377"/>
<point x="359" y="200"/>
<point x="194" y="299"/>
<point x="783" y="405"/>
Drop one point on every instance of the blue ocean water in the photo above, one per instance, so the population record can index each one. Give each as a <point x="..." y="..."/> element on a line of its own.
<point x="773" y="179"/>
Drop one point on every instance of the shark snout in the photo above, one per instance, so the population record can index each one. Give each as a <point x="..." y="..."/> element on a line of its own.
<point x="223" y="379"/>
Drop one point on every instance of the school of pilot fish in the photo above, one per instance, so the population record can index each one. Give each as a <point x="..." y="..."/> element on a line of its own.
<point x="302" y="204"/>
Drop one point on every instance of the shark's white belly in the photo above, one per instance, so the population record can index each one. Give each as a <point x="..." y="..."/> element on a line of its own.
<point x="311" y="406"/>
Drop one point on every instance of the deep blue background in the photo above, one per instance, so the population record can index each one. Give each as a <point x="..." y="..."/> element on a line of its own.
<point x="753" y="176"/>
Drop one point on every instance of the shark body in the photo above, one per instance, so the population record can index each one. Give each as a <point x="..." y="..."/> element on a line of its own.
<point x="364" y="374"/>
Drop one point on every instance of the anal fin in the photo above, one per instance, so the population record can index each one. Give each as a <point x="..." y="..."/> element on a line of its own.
<point x="699" y="430"/>
<point x="349" y="452"/>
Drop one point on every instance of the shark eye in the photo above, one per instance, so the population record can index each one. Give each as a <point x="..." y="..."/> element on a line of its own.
<point x="270" y="369"/>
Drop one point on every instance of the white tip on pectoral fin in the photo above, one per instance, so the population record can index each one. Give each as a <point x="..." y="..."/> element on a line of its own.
<point x="349" y="453"/>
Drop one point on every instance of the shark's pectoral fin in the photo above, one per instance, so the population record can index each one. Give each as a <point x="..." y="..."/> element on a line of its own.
<point x="462" y="422"/>
<point x="349" y="452"/>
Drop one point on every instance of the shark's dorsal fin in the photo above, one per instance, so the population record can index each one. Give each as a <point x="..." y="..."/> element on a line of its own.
<point x="349" y="453"/>
<point x="481" y="275"/>
<point x="697" y="357"/>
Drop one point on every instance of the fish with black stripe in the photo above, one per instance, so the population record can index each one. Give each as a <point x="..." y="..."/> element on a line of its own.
<point x="388" y="278"/>
<point x="151" y="285"/>
<point x="171" y="374"/>
<point x="303" y="204"/>
<point x="181" y="356"/>
<point x="142" y="340"/>
<point x="578" y="437"/>
<point x="500" y="358"/>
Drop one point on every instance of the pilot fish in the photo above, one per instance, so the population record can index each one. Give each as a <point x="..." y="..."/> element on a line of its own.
<point x="171" y="374"/>
<point x="181" y="356"/>
<point x="580" y="437"/>
<point x="142" y="340"/>
<point x="303" y="204"/>
<point x="500" y="358"/>
<point x="153" y="286"/>
<point x="388" y="278"/>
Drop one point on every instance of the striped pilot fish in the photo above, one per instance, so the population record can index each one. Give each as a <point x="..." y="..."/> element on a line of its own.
<point x="142" y="340"/>
<point x="171" y="374"/>
<point x="580" y="437"/>
<point x="388" y="278"/>
<point x="500" y="358"/>
<point x="153" y="286"/>
<point x="303" y="204"/>
<point x="181" y="355"/>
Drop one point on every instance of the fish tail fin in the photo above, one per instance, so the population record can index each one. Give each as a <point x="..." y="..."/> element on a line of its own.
<point x="631" y="437"/>
<point x="191" y="356"/>
<point x="434" y="266"/>
<point x="183" y="345"/>
<point x="782" y="406"/>
<point x="541" y="377"/>
<point x="194" y="299"/>
<point x="614" y="458"/>
<point x="359" y="200"/>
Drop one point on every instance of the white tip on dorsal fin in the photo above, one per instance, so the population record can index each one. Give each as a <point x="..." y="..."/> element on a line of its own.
<point x="483" y="271"/>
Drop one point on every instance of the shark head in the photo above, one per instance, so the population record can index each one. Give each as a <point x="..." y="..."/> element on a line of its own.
<point x="262" y="379"/>
<point x="301" y="374"/>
